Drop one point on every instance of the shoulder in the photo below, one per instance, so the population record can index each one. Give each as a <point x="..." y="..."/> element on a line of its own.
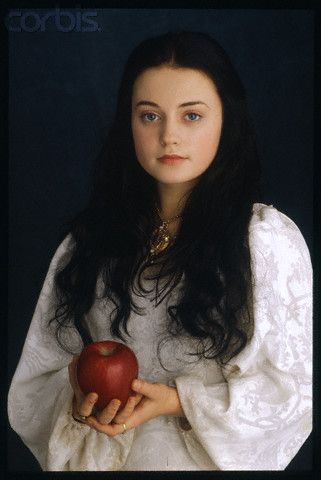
<point x="267" y="218"/>
<point x="270" y="227"/>
<point x="63" y="251"/>
<point x="276" y="241"/>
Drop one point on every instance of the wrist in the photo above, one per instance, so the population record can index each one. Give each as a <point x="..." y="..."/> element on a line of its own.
<point x="176" y="408"/>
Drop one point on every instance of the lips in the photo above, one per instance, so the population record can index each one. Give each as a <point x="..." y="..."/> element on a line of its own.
<point x="171" y="159"/>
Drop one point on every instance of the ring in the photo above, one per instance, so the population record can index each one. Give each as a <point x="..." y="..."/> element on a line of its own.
<point x="77" y="419"/>
<point x="83" y="417"/>
<point x="124" y="427"/>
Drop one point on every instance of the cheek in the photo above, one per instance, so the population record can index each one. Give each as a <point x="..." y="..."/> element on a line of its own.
<point x="143" y="140"/>
<point x="207" y="141"/>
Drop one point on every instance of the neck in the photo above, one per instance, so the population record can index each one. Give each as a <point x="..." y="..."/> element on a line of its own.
<point x="172" y="199"/>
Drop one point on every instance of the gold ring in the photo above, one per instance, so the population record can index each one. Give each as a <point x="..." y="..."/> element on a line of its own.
<point x="83" y="417"/>
<point x="124" y="427"/>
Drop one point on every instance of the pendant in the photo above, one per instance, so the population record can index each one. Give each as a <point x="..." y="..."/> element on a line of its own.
<point x="160" y="240"/>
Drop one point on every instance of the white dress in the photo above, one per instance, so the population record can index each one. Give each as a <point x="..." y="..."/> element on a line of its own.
<point x="253" y="415"/>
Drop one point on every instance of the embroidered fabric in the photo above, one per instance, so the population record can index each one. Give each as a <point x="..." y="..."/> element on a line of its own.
<point x="254" y="414"/>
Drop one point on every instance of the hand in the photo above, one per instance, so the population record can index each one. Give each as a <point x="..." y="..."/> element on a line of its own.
<point x="84" y="406"/>
<point x="158" y="399"/>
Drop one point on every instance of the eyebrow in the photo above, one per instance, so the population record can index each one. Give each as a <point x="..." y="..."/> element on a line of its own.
<point x="186" y="104"/>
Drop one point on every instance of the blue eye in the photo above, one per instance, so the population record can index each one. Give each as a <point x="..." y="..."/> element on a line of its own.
<point x="151" y="117"/>
<point x="195" y="114"/>
<point x="146" y="116"/>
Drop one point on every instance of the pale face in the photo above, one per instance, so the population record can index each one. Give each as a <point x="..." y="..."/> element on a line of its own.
<point x="163" y="123"/>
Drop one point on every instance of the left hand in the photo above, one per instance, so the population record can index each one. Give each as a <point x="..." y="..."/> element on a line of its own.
<point x="157" y="399"/>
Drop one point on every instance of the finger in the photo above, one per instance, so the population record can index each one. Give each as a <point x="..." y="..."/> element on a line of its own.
<point x="138" y="398"/>
<point x="128" y="409"/>
<point x="151" y="390"/>
<point x="106" y="415"/>
<point x="111" y="429"/>
<point x="75" y="412"/>
<point x="85" y="408"/>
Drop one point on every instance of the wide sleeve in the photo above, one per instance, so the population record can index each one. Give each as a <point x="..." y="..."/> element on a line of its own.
<point x="40" y="396"/>
<point x="260" y="416"/>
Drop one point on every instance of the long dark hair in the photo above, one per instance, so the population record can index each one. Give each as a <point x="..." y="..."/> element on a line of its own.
<point x="111" y="236"/>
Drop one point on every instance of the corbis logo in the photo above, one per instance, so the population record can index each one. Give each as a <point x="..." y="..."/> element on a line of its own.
<point x="61" y="20"/>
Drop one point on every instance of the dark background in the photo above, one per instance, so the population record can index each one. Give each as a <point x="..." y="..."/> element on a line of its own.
<point x="62" y="92"/>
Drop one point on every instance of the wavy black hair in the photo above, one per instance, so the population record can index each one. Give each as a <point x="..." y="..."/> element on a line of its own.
<point x="112" y="233"/>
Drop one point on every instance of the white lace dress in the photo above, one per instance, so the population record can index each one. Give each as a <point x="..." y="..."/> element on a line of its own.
<point x="253" y="415"/>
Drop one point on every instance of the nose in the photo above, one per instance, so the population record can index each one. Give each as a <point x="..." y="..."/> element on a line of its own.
<point x="169" y="133"/>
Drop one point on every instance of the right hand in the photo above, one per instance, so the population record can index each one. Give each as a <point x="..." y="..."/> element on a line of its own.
<point x="84" y="405"/>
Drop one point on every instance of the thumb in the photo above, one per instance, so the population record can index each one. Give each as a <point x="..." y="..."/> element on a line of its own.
<point x="145" y="388"/>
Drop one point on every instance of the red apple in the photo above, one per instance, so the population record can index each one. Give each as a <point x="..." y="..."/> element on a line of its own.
<point x="107" y="368"/>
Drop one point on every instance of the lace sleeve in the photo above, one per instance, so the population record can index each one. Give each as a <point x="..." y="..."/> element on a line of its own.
<point x="260" y="417"/>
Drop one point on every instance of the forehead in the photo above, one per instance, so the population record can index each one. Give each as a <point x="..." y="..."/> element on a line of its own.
<point x="165" y="81"/>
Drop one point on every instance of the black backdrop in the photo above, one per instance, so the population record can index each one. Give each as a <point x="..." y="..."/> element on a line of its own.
<point x="62" y="91"/>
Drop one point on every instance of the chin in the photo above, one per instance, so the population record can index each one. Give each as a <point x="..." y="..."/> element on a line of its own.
<point x="173" y="180"/>
<point x="171" y="176"/>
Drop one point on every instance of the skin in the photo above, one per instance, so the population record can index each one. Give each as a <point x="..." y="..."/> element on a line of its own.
<point x="150" y="400"/>
<point x="168" y="128"/>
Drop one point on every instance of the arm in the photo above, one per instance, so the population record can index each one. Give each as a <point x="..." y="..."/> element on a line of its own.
<point x="40" y="397"/>
<point x="260" y="417"/>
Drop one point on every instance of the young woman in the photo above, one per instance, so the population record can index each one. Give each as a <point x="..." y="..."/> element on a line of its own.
<point x="174" y="256"/>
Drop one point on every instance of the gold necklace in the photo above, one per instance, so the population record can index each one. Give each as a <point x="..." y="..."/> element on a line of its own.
<point x="161" y="237"/>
